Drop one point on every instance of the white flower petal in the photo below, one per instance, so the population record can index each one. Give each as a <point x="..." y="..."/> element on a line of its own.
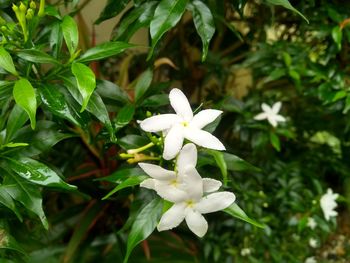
<point x="193" y="183"/>
<point x="157" y="172"/>
<point x="173" y="217"/>
<point x="203" y="138"/>
<point x="187" y="156"/>
<point x="204" y="117"/>
<point x="148" y="183"/>
<point x="215" y="202"/>
<point x="266" y="108"/>
<point x="272" y="120"/>
<point x="276" y="107"/>
<point x="196" y="223"/>
<point x="211" y="185"/>
<point x="280" y="118"/>
<point x="173" y="142"/>
<point x="170" y="192"/>
<point x="159" y="122"/>
<point x="260" y="116"/>
<point x="180" y="104"/>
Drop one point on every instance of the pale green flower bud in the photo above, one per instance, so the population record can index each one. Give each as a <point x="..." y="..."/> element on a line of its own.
<point x="14" y="8"/>
<point x="22" y="8"/>
<point x="32" y="5"/>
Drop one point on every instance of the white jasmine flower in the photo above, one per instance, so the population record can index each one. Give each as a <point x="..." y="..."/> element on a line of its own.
<point x="313" y="242"/>
<point x="328" y="204"/>
<point x="311" y="223"/>
<point x="183" y="125"/>
<point x="172" y="185"/>
<point x="271" y="114"/>
<point x="310" y="260"/>
<point x="245" y="252"/>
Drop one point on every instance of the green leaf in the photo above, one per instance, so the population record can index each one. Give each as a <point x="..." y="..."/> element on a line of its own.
<point x="56" y="103"/>
<point x="275" y="141"/>
<point x="120" y="175"/>
<point x="156" y="100"/>
<point x="220" y="162"/>
<point x="86" y="82"/>
<point x="144" y="224"/>
<point x="36" y="56"/>
<point x="337" y="35"/>
<point x="235" y="211"/>
<point x="124" y="116"/>
<point x="7" y="201"/>
<point x="109" y="90"/>
<point x="24" y="95"/>
<point x="129" y="182"/>
<point x="27" y="194"/>
<point x="137" y="18"/>
<point x="6" y="62"/>
<point x="234" y="163"/>
<point x="286" y="4"/>
<point x="132" y="141"/>
<point x="70" y="34"/>
<point x="16" y="120"/>
<point x="112" y="9"/>
<point x="104" y="50"/>
<point x="142" y="84"/>
<point x="204" y="23"/>
<point x="167" y="14"/>
<point x="9" y="242"/>
<point x="35" y="172"/>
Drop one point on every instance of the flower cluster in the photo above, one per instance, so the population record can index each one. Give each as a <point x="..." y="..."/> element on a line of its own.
<point x="190" y="194"/>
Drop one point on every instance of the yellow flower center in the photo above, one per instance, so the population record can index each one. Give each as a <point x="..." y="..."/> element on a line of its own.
<point x="189" y="203"/>
<point x="185" y="123"/>
<point x="174" y="183"/>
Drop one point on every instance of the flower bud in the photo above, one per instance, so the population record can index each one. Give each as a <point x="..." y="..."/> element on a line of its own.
<point x="14" y="8"/>
<point x="32" y="5"/>
<point x="30" y="14"/>
<point x="22" y="8"/>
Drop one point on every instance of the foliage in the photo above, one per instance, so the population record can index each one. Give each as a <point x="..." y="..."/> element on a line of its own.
<point x="69" y="118"/>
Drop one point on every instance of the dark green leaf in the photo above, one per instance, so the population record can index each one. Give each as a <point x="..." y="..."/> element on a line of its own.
<point x="286" y="4"/>
<point x="7" y="201"/>
<point x="24" y="95"/>
<point x="6" y="61"/>
<point x="132" y="141"/>
<point x="167" y="14"/>
<point x="235" y="211"/>
<point x="204" y="23"/>
<point x="104" y="50"/>
<point x="234" y="163"/>
<point x="112" y="9"/>
<point x="124" y="116"/>
<point x="220" y="162"/>
<point x="129" y="182"/>
<point x="120" y="175"/>
<point x="337" y="35"/>
<point x="35" y="172"/>
<point x="56" y="39"/>
<point x="156" y="100"/>
<point x="275" y="141"/>
<point x="109" y="90"/>
<point x="145" y="222"/>
<point x="86" y="82"/>
<point x="36" y="56"/>
<point x="9" y="242"/>
<point x="16" y="120"/>
<point x="70" y="33"/>
<point x="142" y="84"/>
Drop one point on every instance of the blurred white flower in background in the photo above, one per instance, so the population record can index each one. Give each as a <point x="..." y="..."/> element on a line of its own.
<point x="310" y="260"/>
<point x="328" y="204"/>
<point x="245" y="251"/>
<point x="271" y="114"/>
<point x="183" y="125"/>
<point x="313" y="243"/>
<point x="311" y="223"/>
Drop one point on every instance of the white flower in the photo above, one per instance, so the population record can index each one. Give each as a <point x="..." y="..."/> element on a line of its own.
<point x="183" y="125"/>
<point x="271" y="114"/>
<point x="328" y="204"/>
<point x="245" y="252"/>
<point x="173" y="186"/>
<point x="312" y="242"/>
<point x="310" y="260"/>
<point x="311" y="223"/>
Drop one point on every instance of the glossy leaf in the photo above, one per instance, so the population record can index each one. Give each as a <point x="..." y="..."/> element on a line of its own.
<point x="109" y="90"/>
<point x="24" y="95"/>
<point x="142" y="84"/>
<point x="112" y="9"/>
<point x="124" y="116"/>
<point x="337" y="35"/>
<point x="9" y="242"/>
<point x="204" y="23"/>
<point x="129" y="182"/>
<point x="70" y="33"/>
<point x="286" y="4"/>
<point x="6" y="200"/>
<point x="6" y="62"/>
<point x="56" y="103"/>
<point x="104" y="50"/>
<point x="86" y="82"/>
<point x="234" y="163"/>
<point x="275" y="141"/>
<point x="220" y="162"/>
<point x="235" y="211"/>
<point x="18" y="117"/>
<point x="36" y="56"/>
<point x="137" y="18"/>
<point x="167" y="14"/>
<point x="144" y="224"/>
<point x="156" y="100"/>
<point x="35" y="172"/>
<point x="27" y="194"/>
<point x="122" y="174"/>
<point x="132" y="141"/>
